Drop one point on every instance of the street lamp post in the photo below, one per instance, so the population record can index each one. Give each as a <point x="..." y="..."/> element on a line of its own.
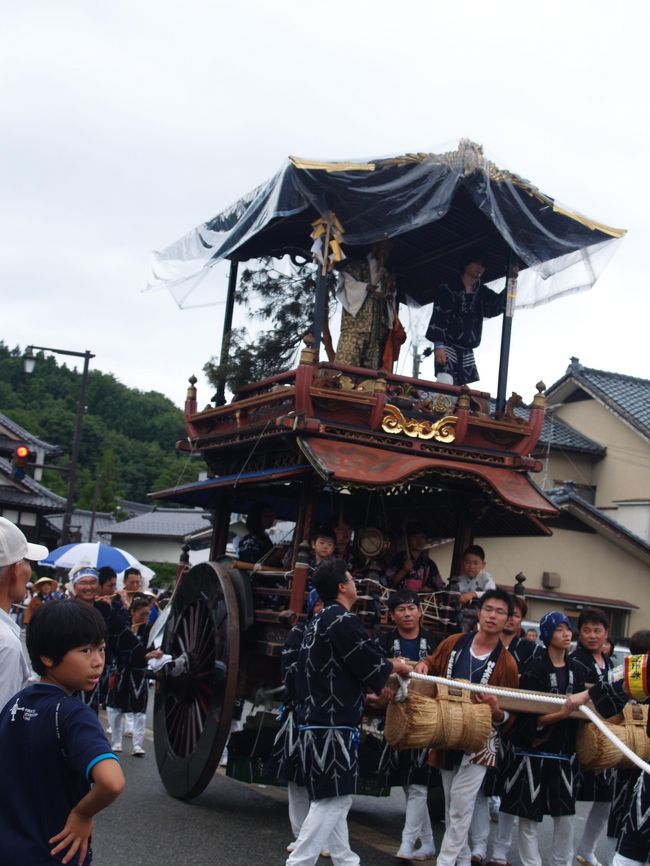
<point x="29" y="361"/>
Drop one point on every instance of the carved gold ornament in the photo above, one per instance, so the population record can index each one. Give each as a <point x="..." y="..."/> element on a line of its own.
<point x="443" y="430"/>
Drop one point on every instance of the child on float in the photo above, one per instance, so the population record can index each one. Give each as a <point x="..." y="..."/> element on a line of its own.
<point x="413" y="568"/>
<point x="57" y="767"/>
<point x="322" y="543"/>
<point x="541" y="781"/>
<point x="474" y="580"/>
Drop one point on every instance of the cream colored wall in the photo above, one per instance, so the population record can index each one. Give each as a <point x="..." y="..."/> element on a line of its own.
<point x="147" y="550"/>
<point x="588" y="564"/>
<point x="625" y="472"/>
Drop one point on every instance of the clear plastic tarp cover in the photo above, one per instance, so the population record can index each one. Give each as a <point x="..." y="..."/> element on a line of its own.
<point x="432" y="206"/>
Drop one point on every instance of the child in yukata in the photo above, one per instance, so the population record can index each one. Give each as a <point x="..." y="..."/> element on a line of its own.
<point x="413" y="568"/>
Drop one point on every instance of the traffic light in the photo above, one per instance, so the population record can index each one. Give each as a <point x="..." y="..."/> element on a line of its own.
<point x="19" y="461"/>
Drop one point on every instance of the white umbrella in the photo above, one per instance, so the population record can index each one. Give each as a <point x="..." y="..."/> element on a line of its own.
<point x="98" y="555"/>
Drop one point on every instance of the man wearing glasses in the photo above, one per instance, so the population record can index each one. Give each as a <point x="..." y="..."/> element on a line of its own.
<point x="479" y="657"/>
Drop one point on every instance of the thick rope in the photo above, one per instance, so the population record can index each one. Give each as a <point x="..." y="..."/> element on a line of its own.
<point x="527" y="696"/>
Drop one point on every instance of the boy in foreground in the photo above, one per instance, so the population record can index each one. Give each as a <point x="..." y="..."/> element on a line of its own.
<point x="57" y="765"/>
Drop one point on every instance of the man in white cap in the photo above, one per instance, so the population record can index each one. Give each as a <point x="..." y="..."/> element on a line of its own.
<point x="15" y="571"/>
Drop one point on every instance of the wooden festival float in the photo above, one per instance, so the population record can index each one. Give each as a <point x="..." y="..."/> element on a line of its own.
<point x="325" y="440"/>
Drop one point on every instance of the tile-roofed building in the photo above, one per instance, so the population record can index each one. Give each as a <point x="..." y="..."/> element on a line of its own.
<point x="159" y="535"/>
<point x="26" y="492"/>
<point x="626" y="396"/>
<point x="12" y="434"/>
<point x="614" y="410"/>
<point x="81" y="523"/>
<point x="27" y="503"/>
<point x="128" y="506"/>
<point x="595" y="455"/>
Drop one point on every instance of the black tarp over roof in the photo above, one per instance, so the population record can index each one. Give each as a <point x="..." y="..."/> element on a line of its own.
<point x="432" y="206"/>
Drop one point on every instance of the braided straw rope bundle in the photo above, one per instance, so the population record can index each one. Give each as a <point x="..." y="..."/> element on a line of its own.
<point x="449" y="721"/>
<point x="596" y="752"/>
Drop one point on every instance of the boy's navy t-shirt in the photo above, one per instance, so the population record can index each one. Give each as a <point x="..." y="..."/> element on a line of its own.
<point x="49" y="743"/>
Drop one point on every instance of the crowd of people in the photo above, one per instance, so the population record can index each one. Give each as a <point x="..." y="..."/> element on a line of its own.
<point x="90" y="650"/>
<point x="335" y="674"/>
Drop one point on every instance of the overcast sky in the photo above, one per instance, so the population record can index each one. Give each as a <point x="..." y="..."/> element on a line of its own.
<point x="125" y="124"/>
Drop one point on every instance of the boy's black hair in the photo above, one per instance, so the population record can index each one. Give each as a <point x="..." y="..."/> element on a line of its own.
<point x="106" y="572"/>
<point x="473" y="254"/>
<point x="498" y="595"/>
<point x="327" y="577"/>
<point x="61" y="626"/>
<point x="322" y="532"/>
<point x="593" y="614"/>
<point x="474" y="550"/>
<point x="132" y="570"/>
<point x="403" y="596"/>
<point x="415" y="527"/>
<point x="254" y="517"/>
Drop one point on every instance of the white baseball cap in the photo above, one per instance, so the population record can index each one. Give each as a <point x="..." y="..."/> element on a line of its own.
<point x="14" y="546"/>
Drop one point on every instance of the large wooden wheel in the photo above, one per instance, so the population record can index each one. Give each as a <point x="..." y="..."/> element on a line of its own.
<point x="193" y="710"/>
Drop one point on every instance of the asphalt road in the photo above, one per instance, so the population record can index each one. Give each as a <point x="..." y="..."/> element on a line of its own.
<point x="232" y="823"/>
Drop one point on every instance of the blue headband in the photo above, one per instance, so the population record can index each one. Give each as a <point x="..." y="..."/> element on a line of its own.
<point x="84" y="572"/>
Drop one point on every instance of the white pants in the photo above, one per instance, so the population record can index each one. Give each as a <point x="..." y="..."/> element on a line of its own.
<point x="480" y="827"/>
<point x="417" y="823"/>
<point x="326" y="826"/>
<point x="298" y="806"/>
<point x="594" y="825"/>
<point x="116" y="720"/>
<point x="562" y="846"/>
<point x="461" y="785"/>
<point x="619" y="860"/>
<point x="503" y="837"/>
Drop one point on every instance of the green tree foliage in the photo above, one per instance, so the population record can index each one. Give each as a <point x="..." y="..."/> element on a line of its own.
<point x="128" y="439"/>
<point x="283" y="300"/>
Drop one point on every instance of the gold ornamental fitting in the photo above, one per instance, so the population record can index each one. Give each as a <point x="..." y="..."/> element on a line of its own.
<point x="443" y="430"/>
<point x="191" y="391"/>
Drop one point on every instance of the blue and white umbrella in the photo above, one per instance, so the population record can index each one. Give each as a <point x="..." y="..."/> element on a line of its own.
<point x="97" y="555"/>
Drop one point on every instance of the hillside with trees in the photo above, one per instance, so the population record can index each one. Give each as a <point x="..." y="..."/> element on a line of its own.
<point x="128" y="439"/>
